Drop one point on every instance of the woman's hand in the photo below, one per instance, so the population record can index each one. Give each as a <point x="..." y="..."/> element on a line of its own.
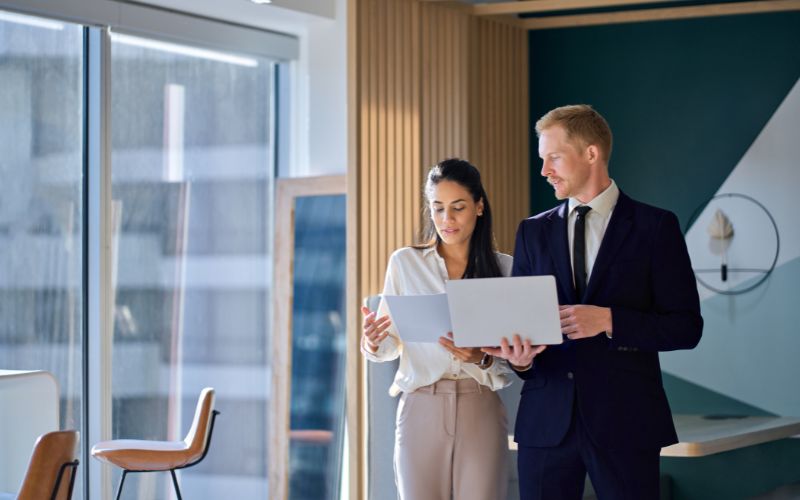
<point x="465" y="354"/>
<point x="519" y="354"/>
<point x="375" y="330"/>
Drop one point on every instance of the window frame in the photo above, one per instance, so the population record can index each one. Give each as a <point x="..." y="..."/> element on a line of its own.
<point x="287" y="190"/>
<point x="163" y="24"/>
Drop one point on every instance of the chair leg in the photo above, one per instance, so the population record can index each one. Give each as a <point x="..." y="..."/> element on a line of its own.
<point x="72" y="479"/>
<point x="121" y="482"/>
<point x="175" y="483"/>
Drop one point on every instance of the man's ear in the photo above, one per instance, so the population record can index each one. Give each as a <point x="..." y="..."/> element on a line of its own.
<point x="592" y="153"/>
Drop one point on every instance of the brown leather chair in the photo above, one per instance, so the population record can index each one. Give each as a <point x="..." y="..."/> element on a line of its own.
<point x="46" y="476"/>
<point x="132" y="455"/>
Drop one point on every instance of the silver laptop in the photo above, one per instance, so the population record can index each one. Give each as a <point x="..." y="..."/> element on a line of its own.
<point x="484" y="310"/>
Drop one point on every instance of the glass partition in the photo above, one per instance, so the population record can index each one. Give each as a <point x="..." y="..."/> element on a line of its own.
<point x="192" y="175"/>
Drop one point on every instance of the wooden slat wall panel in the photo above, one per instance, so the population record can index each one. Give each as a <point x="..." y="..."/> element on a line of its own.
<point x="413" y="109"/>
<point x="427" y="81"/>
<point x="445" y="73"/>
<point x="499" y="128"/>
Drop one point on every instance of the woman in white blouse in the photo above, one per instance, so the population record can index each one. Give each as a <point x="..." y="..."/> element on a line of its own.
<point x="451" y="439"/>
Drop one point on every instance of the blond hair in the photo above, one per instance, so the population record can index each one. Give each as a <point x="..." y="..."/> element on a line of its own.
<point x="583" y="125"/>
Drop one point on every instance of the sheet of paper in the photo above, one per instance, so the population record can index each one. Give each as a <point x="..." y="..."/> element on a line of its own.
<point x="419" y="318"/>
<point x="485" y="310"/>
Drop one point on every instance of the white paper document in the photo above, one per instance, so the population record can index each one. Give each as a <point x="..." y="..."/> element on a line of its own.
<point x="419" y="318"/>
<point x="484" y="310"/>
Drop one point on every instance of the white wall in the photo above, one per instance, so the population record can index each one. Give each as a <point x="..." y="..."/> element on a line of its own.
<point x="750" y="343"/>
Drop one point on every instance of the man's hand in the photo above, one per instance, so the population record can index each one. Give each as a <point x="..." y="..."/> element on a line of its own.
<point x="519" y="354"/>
<point x="465" y="354"/>
<point x="584" y="321"/>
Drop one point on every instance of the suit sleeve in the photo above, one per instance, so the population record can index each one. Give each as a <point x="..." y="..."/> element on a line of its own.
<point x="522" y="267"/>
<point x="673" y="321"/>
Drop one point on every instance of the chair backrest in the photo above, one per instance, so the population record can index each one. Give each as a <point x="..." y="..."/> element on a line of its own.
<point x="51" y="471"/>
<point x="197" y="438"/>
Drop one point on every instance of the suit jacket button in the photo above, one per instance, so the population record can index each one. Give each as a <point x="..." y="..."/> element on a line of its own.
<point x="570" y="375"/>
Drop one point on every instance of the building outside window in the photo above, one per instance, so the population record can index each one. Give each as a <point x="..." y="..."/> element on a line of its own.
<point x="192" y="160"/>
<point x="41" y="204"/>
<point x="192" y="177"/>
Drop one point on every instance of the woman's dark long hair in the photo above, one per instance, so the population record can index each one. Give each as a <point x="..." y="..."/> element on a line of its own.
<point x="481" y="261"/>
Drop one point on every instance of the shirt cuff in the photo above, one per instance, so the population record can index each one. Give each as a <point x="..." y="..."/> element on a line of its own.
<point x="373" y="356"/>
<point x="524" y="369"/>
<point x="387" y="350"/>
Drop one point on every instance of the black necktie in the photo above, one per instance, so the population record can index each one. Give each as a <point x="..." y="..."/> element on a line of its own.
<point x="579" y="251"/>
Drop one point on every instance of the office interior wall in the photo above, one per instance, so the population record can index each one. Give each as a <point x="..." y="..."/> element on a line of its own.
<point x="432" y="82"/>
<point x="426" y="81"/>
<point x="700" y="107"/>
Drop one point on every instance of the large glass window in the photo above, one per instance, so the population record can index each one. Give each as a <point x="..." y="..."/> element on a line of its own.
<point x="318" y="348"/>
<point x="191" y="160"/>
<point x="192" y="175"/>
<point x="41" y="206"/>
<point x="308" y="337"/>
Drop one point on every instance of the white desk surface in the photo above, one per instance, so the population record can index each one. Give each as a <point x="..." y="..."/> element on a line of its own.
<point x="700" y="436"/>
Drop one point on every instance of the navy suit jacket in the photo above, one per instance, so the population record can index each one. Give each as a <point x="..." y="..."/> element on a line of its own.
<point x="643" y="273"/>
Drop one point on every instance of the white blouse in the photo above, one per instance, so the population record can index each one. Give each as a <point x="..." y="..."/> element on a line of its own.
<point x="417" y="272"/>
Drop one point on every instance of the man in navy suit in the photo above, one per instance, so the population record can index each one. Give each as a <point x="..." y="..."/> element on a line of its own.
<point x="596" y="403"/>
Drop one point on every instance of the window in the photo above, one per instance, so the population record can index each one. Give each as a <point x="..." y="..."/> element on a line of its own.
<point x="318" y="348"/>
<point x="309" y="340"/>
<point x="192" y="180"/>
<point x="41" y="206"/>
<point x="191" y="157"/>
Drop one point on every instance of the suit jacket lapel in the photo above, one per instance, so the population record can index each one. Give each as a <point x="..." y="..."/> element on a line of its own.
<point x="618" y="228"/>
<point x="559" y="252"/>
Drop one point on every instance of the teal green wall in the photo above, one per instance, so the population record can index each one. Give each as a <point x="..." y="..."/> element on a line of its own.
<point x="734" y="475"/>
<point x="688" y="398"/>
<point x="685" y="100"/>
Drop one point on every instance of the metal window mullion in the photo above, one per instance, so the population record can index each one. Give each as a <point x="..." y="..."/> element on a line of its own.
<point x="85" y="314"/>
<point x="99" y="273"/>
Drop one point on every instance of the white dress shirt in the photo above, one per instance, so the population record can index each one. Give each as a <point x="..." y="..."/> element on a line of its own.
<point x="596" y="223"/>
<point x="417" y="272"/>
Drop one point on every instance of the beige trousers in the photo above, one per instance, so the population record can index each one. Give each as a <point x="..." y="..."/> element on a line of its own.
<point x="451" y="442"/>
